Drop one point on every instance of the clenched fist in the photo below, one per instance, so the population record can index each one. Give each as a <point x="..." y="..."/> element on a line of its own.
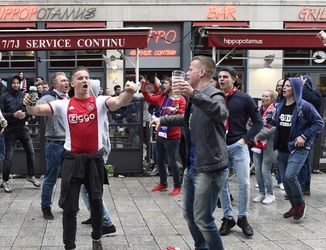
<point x="131" y="87"/>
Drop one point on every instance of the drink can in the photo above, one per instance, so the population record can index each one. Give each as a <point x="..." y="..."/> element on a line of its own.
<point x="33" y="94"/>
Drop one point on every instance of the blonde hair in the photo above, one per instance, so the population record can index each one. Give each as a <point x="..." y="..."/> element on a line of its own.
<point x="273" y="94"/>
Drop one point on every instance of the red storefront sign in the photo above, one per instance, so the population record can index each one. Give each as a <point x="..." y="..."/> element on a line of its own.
<point x="263" y="39"/>
<point x="123" y="38"/>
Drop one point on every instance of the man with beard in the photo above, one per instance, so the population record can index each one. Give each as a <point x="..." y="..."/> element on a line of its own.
<point x="168" y="138"/>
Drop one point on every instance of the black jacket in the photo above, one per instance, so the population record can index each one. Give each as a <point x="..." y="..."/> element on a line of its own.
<point x="10" y="102"/>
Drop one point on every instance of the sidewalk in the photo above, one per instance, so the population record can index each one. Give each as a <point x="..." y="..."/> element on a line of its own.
<point x="149" y="221"/>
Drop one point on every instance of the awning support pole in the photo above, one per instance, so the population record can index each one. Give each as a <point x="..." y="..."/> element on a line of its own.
<point x="227" y="54"/>
<point x="137" y="66"/>
<point x="214" y="54"/>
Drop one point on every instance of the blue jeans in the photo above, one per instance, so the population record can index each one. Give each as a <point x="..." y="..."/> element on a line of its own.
<point x="290" y="165"/>
<point x="53" y="153"/>
<point x="170" y="149"/>
<point x="305" y="174"/>
<point x="263" y="171"/>
<point x="200" y="192"/>
<point x="106" y="216"/>
<point x="239" y="160"/>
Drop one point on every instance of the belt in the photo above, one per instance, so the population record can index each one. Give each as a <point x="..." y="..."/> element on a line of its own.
<point x="56" y="142"/>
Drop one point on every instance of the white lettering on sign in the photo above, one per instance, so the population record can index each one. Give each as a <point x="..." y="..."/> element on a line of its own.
<point x="101" y="42"/>
<point x="242" y="41"/>
<point x="10" y="44"/>
<point x="48" y="43"/>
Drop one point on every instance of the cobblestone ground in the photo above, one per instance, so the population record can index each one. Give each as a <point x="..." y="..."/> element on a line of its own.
<point x="147" y="220"/>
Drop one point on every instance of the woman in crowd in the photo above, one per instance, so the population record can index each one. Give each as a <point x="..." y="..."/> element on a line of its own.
<point x="263" y="154"/>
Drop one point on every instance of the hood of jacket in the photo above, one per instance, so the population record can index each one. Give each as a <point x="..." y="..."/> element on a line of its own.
<point x="297" y="86"/>
<point x="95" y="87"/>
<point x="308" y="82"/>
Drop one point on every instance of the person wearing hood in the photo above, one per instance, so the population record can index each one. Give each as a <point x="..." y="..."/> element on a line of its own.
<point x="297" y="123"/>
<point x="14" y="111"/>
<point x="108" y="227"/>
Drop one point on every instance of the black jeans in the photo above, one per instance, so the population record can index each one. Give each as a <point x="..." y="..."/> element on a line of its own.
<point x="70" y="210"/>
<point x="11" y="136"/>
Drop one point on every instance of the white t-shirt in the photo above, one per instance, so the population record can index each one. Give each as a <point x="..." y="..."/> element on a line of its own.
<point x="83" y="121"/>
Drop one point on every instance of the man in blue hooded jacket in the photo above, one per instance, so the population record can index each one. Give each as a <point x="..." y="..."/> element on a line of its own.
<point x="297" y="122"/>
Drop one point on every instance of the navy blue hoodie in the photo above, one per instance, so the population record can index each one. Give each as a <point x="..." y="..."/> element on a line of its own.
<point x="306" y="121"/>
<point x="10" y="102"/>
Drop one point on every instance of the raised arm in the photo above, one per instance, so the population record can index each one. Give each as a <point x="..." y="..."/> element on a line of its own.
<point x="38" y="109"/>
<point x="116" y="102"/>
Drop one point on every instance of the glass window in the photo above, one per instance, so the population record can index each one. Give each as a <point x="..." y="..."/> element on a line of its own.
<point x="61" y="58"/>
<point x="18" y="59"/>
<point x="90" y="58"/>
<point x="4" y="63"/>
<point x="300" y="54"/>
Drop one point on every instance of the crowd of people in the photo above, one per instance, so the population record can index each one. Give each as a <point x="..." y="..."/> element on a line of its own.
<point x="223" y="130"/>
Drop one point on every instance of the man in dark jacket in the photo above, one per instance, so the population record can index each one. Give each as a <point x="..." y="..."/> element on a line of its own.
<point x="297" y="123"/>
<point x="242" y="108"/>
<point x="14" y="111"/>
<point x="207" y="152"/>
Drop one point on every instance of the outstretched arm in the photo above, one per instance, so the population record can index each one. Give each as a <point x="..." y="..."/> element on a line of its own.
<point x="38" y="109"/>
<point x="116" y="102"/>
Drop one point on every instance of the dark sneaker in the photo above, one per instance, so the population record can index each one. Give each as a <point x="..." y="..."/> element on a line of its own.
<point x="97" y="245"/>
<point x="33" y="180"/>
<point x="87" y="222"/>
<point x="244" y="225"/>
<point x="289" y="213"/>
<point x="226" y="226"/>
<point x="299" y="212"/>
<point x="47" y="213"/>
<point x="6" y="186"/>
<point x="108" y="230"/>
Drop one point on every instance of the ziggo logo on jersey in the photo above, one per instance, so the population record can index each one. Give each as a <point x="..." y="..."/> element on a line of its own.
<point x="74" y="118"/>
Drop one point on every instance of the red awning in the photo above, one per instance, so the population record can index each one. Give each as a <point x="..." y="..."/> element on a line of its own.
<point x="304" y="25"/>
<point x="18" y="25"/>
<point x="263" y="39"/>
<point x="74" y="39"/>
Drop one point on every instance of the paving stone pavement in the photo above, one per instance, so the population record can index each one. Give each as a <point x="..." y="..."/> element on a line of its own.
<point x="149" y="221"/>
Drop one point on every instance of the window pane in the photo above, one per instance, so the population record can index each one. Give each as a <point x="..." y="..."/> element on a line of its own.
<point x="297" y="53"/>
<point x="27" y="57"/>
<point x="60" y="58"/>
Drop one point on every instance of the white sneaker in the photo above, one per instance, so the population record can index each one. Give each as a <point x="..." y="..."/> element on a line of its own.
<point x="256" y="186"/>
<point x="154" y="171"/>
<point x="281" y="186"/>
<point x="259" y="198"/>
<point x="269" y="199"/>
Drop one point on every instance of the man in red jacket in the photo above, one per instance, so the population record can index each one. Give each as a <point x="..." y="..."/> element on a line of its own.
<point x="168" y="138"/>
